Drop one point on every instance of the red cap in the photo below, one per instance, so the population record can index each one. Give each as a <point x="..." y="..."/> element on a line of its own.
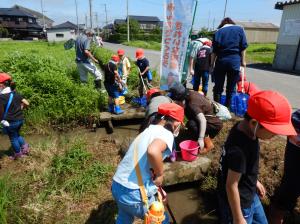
<point x="4" y="77"/>
<point x="273" y="111"/>
<point x="207" y="43"/>
<point x="249" y="88"/>
<point x="121" y="52"/>
<point x="139" y="53"/>
<point x="115" y="58"/>
<point x="172" y="110"/>
<point x="150" y="92"/>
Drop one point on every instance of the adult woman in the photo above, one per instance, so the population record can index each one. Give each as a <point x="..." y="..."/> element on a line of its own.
<point x="229" y="50"/>
<point x="146" y="152"/>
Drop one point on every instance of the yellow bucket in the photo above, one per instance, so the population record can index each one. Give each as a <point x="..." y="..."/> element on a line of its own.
<point x="121" y="99"/>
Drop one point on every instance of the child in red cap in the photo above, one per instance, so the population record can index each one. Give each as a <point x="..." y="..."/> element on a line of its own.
<point x="124" y="66"/>
<point x="144" y="68"/>
<point x="147" y="152"/>
<point x="112" y="84"/>
<point x="11" y="115"/>
<point x="285" y="198"/>
<point x="269" y="114"/>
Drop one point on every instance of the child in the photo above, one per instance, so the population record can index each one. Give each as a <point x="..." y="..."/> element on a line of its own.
<point x="112" y="85"/>
<point x="12" y="118"/>
<point x="286" y="196"/>
<point x="144" y="68"/>
<point x="124" y="66"/>
<point x="148" y="150"/>
<point x="202" y="66"/>
<point x="269" y="114"/>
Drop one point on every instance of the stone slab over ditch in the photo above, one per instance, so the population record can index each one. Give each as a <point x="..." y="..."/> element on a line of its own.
<point x="182" y="171"/>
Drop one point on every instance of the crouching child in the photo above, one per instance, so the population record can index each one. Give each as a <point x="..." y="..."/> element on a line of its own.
<point x="134" y="187"/>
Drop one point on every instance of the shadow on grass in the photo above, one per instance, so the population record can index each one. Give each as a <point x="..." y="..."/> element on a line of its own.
<point x="7" y="152"/>
<point x="104" y="214"/>
<point x="268" y="67"/>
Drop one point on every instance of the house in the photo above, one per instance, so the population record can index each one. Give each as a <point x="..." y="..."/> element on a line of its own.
<point x="62" y="32"/>
<point x="287" y="55"/>
<point x="257" y="32"/>
<point x="40" y="18"/>
<point x="19" y="23"/>
<point x="147" y="23"/>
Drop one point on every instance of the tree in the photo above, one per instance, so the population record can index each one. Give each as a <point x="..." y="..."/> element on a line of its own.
<point x="157" y="30"/>
<point x="205" y="32"/>
<point x="3" y="32"/>
<point x="134" y="27"/>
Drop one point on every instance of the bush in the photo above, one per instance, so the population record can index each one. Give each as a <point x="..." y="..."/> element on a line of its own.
<point x="3" y="32"/>
<point x="118" y="37"/>
<point x="48" y="78"/>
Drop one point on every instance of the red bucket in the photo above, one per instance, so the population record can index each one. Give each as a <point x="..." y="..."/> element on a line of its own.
<point x="189" y="150"/>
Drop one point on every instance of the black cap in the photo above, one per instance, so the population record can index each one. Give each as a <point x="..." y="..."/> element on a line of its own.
<point x="178" y="92"/>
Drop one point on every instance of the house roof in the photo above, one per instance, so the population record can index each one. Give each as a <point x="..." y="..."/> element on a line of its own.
<point x="65" y="25"/>
<point x="14" y="12"/>
<point x="145" y="18"/>
<point x="256" y="25"/>
<point x="34" y="13"/>
<point x="280" y="5"/>
<point x="119" y="21"/>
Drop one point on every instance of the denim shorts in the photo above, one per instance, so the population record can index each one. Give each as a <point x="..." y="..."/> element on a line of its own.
<point x="112" y="90"/>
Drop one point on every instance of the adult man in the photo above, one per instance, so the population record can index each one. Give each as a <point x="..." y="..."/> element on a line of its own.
<point x="202" y="123"/>
<point x="84" y="57"/>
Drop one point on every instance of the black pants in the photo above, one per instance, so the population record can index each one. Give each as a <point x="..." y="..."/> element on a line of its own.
<point x="222" y="70"/>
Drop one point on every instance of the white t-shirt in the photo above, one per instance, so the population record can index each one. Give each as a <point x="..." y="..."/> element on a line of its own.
<point x="126" y="175"/>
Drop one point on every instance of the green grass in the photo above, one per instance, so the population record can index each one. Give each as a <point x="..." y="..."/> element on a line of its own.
<point x="144" y="44"/>
<point x="260" y="53"/>
<point x="256" y="53"/>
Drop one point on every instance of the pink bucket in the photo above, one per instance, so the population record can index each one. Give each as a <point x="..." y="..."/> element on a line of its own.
<point x="189" y="150"/>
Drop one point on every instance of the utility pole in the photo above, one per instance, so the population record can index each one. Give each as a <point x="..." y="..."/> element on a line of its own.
<point x="91" y="16"/>
<point x="208" y="23"/>
<point x="77" y="17"/>
<point x="214" y="23"/>
<point x="106" y="20"/>
<point x="128" y="39"/>
<point x="42" y="6"/>
<point x="86" y="21"/>
<point x="97" y="27"/>
<point x="225" y="9"/>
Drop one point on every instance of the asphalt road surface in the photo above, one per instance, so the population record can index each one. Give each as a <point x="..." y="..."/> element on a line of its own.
<point x="287" y="84"/>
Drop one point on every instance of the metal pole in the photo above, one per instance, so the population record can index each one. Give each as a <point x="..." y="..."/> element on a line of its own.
<point x="106" y="21"/>
<point x="91" y="16"/>
<point x="208" y="23"/>
<point x="194" y="17"/>
<point x="86" y="21"/>
<point x="43" y="15"/>
<point x="97" y="27"/>
<point x="127" y="24"/>
<point x="77" y="17"/>
<point x="225" y="8"/>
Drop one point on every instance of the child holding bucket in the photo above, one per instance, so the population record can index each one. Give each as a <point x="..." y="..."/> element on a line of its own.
<point x="11" y="115"/>
<point x="285" y="198"/>
<point x="269" y="114"/>
<point x="145" y="153"/>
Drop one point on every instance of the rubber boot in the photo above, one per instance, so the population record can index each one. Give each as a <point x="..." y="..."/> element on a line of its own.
<point x="98" y="84"/>
<point x="118" y="110"/>
<point x="16" y="156"/>
<point x="208" y="145"/>
<point x="217" y="98"/>
<point x="111" y="108"/>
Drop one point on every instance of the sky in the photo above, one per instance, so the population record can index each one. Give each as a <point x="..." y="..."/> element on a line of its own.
<point x="209" y="12"/>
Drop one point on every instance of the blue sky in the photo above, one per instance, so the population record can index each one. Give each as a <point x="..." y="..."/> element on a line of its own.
<point x="209" y="12"/>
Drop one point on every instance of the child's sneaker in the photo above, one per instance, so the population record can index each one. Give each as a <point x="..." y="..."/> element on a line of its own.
<point x="17" y="156"/>
<point x="25" y="149"/>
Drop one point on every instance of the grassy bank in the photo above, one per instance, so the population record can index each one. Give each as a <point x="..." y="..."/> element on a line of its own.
<point x="144" y="44"/>
<point x="256" y="53"/>
<point x="63" y="181"/>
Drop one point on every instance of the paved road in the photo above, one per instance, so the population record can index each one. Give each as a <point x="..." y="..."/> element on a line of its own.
<point x="288" y="85"/>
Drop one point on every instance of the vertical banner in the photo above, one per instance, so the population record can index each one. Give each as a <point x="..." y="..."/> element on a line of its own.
<point x="177" y="24"/>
